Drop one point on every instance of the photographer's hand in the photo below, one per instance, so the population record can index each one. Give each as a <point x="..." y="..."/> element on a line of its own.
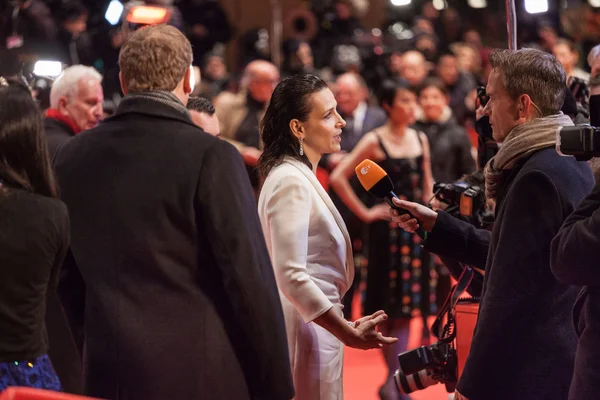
<point x="458" y="396"/>
<point x="424" y="216"/>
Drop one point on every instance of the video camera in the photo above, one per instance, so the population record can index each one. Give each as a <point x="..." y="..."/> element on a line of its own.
<point x="581" y="141"/>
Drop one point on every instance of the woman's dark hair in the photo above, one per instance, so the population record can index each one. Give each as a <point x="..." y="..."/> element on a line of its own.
<point x="389" y="89"/>
<point x="290" y="100"/>
<point x="24" y="159"/>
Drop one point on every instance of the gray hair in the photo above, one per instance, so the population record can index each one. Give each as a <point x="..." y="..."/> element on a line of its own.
<point x="67" y="83"/>
<point x="535" y="73"/>
<point x="593" y="54"/>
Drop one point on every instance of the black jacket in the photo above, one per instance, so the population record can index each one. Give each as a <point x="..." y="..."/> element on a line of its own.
<point x="57" y="133"/>
<point x="181" y="299"/>
<point x="575" y="259"/>
<point x="450" y="149"/>
<point x="62" y="344"/>
<point x="524" y="343"/>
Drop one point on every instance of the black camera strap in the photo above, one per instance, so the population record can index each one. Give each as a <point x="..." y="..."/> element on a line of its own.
<point x="447" y="332"/>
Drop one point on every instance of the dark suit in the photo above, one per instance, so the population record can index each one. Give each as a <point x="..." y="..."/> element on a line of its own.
<point x="181" y="299"/>
<point x="575" y="260"/>
<point x="450" y="150"/>
<point x="57" y="133"/>
<point x="524" y="344"/>
<point x="61" y="345"/>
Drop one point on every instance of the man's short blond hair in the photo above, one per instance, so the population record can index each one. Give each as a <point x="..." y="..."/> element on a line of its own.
<point x="154" y="58"/>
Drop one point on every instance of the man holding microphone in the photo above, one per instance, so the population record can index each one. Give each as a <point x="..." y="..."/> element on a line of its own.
<point x="523" y="330"/>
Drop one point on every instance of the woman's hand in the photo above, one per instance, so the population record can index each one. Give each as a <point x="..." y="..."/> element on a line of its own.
<point x="380" y="212"/>
<point x="364" y="334"/>
<point x="424" y="216"/>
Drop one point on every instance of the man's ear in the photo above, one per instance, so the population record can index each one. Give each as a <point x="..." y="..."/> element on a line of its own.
<point x="122" y="82"/>
<point x="62" y="105"/>
<point x="525" y="106"/>
<point x="188" y="87"/>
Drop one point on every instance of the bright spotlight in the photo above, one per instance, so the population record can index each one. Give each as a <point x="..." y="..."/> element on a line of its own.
<point x="439" y="4"/>
<point x="536" y="6"/>
<point x="477" y="3"/>
<point x="400" y="2"/>
<point x="49" y="69"/>
<point x="114" y="12"/>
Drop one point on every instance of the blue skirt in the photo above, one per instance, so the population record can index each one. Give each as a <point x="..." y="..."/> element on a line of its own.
<point x="37" y="373"/>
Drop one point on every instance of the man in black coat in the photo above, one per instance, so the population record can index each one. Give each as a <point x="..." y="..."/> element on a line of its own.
<point x="575" y="259"/>
<point x="524" y="343"/>
<point x="76" y="101"/>
<point x="181" y="299"/>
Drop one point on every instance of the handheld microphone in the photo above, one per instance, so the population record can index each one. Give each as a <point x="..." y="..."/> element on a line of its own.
<point x="377" y="182"/>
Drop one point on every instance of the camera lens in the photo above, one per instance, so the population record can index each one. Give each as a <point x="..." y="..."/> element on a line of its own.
<point x="410" y="383"/>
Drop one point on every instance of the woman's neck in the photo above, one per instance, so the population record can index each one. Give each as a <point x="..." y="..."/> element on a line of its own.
<point x="397" y="129"/>
<point x="314" y="159"/>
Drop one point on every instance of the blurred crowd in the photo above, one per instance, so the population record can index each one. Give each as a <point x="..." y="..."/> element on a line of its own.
<point x="432" y="64"/>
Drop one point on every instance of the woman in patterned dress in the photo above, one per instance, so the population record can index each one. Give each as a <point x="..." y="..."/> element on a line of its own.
<point x="401" y="277"/>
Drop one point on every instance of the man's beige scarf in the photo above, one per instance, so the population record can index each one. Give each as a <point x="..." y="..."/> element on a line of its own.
<point x="521" y="142"/>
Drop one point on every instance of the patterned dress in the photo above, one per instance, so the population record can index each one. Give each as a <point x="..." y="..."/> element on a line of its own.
<point x="37" y="373"/>
<point x="401" y="276"/>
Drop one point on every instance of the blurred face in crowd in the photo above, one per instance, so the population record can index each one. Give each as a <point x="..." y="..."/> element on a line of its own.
<point x="548" y="36"/>
<point x="208" y="123"/>
<point x="447" y="69"/>
<point x="413" y="67"/>
<point x="565" y="56"/>
<point x="85" y="106"/>
<point x="433" y="101"/>
<point x="264" y="77"/>
<point x="305" y="56"/>
<point x="425" y="26"/>
<point x="323" y="128"/>
<point x="502" y="110"/>
<point x="349" y="94"/>
<point x="215" y="68"/>
<point x="395" y="63"/>
<point x="76" y="26"/>
<point x="467" y="59"/>
<point x="343" y="10"/>
<point x="473" y="38"/>
<point x="426" y="45"/>
<point x="429" y="11"/>
<point x="403" y="110"/>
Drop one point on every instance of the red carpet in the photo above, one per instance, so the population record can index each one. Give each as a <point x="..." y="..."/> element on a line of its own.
<point x="365" y="371"/>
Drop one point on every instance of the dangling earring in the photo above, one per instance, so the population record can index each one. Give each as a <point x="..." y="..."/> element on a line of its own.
<point x="301" y="147"/>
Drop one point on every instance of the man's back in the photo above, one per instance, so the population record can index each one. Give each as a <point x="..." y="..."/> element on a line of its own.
<point x="166" y="236"/>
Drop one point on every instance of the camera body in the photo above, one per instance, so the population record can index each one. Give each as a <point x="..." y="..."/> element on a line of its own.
<point x="465" y="200"/>
<point x="426" y="366"/>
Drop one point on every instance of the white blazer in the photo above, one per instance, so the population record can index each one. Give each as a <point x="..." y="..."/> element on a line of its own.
<point x="312" y="258"/>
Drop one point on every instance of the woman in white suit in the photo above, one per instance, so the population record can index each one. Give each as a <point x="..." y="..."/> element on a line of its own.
<point x="307" y="239"/>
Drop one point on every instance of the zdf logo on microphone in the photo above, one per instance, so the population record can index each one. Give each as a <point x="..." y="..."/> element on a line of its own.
<point x="365" y="170"/>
